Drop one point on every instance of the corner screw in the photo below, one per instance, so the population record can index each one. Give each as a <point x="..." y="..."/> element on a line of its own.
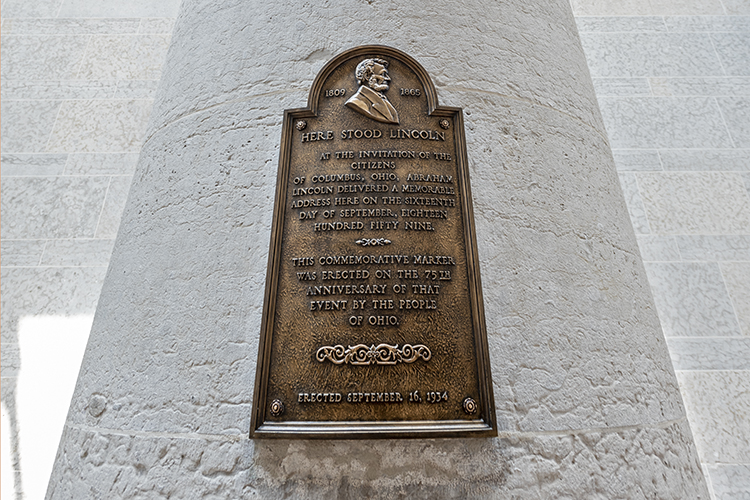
<point x="277" y="407"/>
<point x="445" y="123"/>
<point x="301" y="125"/>
<point x="470" y="406"/>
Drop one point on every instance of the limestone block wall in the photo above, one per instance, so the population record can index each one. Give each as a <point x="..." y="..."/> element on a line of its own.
<point x="675" y="64"/>
<point x="673" y="82"/>
<point x="588" y="402"/>
<point x="76" y="89"/>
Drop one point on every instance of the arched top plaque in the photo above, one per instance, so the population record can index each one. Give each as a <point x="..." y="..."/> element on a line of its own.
<point x="373" y="323"/>
<point x="373" y="52"/>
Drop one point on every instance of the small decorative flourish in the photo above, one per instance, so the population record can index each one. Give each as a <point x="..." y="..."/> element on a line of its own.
<point x="277" y="407"/>
<point x="382" y="354"/>
<point x="373" y="242"/>
<point x="445" y="123"/>
<point x="470" y="406"/>
<point x="301" y="125"/>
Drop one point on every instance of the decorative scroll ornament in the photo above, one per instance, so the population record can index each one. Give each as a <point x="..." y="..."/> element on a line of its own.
<point x="373" y="242"/>
<point x="382" y="354"/>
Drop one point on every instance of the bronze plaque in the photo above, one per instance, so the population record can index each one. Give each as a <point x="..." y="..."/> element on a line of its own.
<point x="373" y="323"/>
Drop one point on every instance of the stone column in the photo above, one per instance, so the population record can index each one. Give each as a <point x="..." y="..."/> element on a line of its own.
<point x="587" y="402"/>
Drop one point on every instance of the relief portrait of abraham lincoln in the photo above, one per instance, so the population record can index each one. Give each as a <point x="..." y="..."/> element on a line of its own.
<point x="370" y="100"/>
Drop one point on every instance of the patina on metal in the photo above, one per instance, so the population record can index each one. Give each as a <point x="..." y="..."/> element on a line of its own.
<point x="373" y="323"/>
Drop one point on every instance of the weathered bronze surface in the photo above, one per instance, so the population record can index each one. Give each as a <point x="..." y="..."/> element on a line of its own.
<point x="373" y="324"/>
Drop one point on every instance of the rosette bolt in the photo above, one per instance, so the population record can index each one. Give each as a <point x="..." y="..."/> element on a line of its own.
<point x="470" y="406"/>
<point x="277" y="407"/>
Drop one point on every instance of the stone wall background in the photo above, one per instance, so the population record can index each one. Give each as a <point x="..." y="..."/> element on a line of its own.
<point x="77" y="84"/>
<point x="673" y="81"/>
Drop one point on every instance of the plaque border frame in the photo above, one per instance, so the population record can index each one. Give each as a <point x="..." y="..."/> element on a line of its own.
<point x="485" y="425"/>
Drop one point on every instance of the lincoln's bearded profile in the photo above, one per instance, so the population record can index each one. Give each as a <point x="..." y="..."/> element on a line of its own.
<point x="372" y="76"/>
